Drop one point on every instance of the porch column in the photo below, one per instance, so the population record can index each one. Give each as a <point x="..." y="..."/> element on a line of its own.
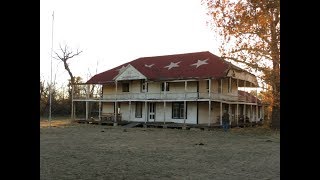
<point x="230" y="116"/>
<point x="184" y="104"/>
<point x="99" y="110"/>
<point x="72" y="110"/>
<point x="129" y="110"/>
<point x="244" y="113"/>
<point x="244" y="89"/>
<point x="257" y="104"/>
<point x="100" y="103"/>
<point x="146" y="112"/>
<point x="87" y="103"/>
<point x="237" y="115"/>
<point x="116" y="106"/>
<point x="209" y="110"/>
<point x="164" y="112"/>
<point x="184" y="113"/>
<point x="251" y="113"/>
<point x="220" y="113"/>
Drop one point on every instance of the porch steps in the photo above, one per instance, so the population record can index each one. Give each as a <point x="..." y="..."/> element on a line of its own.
<point x="132" y="124"/>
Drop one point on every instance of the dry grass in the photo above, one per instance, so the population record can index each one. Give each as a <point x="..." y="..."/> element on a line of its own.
<point x="85" y="151"/>
<point x="55" y="123"/>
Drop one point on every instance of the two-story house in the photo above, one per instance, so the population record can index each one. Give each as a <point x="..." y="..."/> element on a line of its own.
<point x="191" y="88"/>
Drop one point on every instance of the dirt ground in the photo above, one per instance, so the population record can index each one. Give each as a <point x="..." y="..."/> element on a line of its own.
<point x="86" y="151"/>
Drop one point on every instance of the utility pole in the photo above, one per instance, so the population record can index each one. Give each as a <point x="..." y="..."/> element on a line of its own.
<point x="50" y="87"/>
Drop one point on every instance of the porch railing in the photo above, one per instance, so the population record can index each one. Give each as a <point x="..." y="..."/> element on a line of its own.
<point x="165" y="96"/>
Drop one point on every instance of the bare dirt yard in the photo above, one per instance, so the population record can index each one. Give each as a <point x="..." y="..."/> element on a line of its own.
<point x="86" y="151"/>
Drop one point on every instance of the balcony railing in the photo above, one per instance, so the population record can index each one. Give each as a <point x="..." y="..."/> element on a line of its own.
<point x="165" y="96"/>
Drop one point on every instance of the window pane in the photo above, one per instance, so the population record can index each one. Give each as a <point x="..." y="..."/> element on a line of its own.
<point x="125" y="87"/>
<point x="175" y="110"/>
<point x="138" y="109"/>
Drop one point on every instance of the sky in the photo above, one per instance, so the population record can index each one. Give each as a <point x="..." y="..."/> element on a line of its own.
<point x="113" y="32"/>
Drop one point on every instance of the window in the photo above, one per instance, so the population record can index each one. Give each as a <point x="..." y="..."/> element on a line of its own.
<point x="138" y="110"/>
<point x="177" y="110"/>
<point x="125" y="87"/>
<point x="167" y="86"/>
<point x="144" y="86"/>
<point x="207" y="87"/>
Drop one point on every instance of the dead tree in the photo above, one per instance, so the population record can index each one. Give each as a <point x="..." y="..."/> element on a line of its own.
<point x="67" y="54"/>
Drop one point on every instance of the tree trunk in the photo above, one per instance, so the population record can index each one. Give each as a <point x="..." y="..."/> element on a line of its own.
<point x="275" y="117"/>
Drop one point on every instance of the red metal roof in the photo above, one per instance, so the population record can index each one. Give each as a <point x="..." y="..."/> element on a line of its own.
<point x="183" y="66"/>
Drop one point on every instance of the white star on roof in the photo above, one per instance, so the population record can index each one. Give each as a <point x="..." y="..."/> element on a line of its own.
<point x="121" y="69"/>
<point x="199" y="63"/>
<point x="172" y="65"/>
<point x="149" y="66"/>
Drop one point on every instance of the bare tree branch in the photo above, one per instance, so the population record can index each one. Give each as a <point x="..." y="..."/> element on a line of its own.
<point x="67" y="54"/>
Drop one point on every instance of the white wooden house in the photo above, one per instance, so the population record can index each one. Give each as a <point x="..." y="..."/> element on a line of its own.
<point x="191" y="88"/>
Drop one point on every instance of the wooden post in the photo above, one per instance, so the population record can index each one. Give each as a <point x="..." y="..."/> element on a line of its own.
<point x="146" y="112"/>
<point x="164" y="112"/>
<point x="184" y="105"/>
<point x="257" y="116"/>
<point x="116" y="106"/>
<point x="244" y="113"/>
<point x="229" y="112"/>
<point x="100" y="102"/>
<point x="129" y="110"/>
<point x="184" y="113"/>
<point x="87" y="103"/>
<point x="220" y="113"/>
<point x="251" y="113"/>
<point x="257" y="104"/>
<point x="209" y="114"/>
<point x="237" y="116"/>
<point x="99" y="110"/>
<point x="209" y="106"/>
<point x="72" y="110"/>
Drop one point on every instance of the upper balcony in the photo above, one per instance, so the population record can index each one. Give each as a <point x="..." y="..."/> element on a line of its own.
<point x="169" y="96"/>
<point x="139" y="90"/>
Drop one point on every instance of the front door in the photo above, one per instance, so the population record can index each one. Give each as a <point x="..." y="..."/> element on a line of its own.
<point x="152" y="111"/>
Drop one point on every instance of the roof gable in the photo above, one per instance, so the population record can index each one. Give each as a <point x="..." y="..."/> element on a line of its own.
<point x="128" y="73"/>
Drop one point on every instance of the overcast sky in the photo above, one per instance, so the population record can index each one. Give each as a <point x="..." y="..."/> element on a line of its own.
<point x="113" y="32"/>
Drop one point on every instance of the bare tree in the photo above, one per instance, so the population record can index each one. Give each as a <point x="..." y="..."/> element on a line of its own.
<point x="67" y="54"/>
